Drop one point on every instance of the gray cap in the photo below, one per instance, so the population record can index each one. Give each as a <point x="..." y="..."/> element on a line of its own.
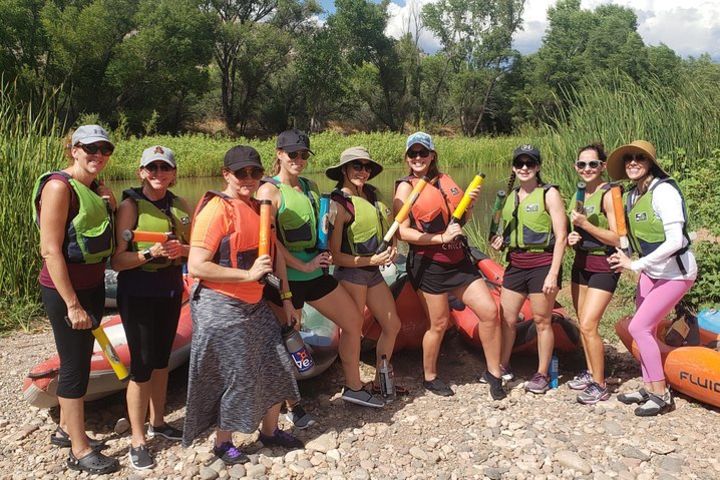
<point x="87" y="134"/>
<point x="157" y="153"/>
<point x="420" y="138"/>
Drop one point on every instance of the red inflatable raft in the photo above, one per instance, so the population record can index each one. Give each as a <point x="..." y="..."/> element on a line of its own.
<point x="692" y="370"/>
<point x="414" y="322"/>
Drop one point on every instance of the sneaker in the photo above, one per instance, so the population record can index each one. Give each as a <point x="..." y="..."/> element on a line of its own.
<point x="655" y="405"/>
<point x="497" y="392"/>
<point x="640" y="396"/>
<point x="507" y="374"/>
<point x="539" y="383"/>
<point x="140" y="458"/>
<point x="281" y="438"/>
<point x="299" y="418"/>
<point x="362" y="397"/>
<point x="593" y="394"/>
<point x="438" y="387"/>
<point x="230" y="454"/>
<point x="581" y="381"/>
<point x="165" y="430"/>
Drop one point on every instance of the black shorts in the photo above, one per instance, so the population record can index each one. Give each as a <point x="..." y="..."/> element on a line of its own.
<point x="527" y="280"/>
<point x="150" y="324"/>
<point x="303" y="291"/>
<point x="430" y="276"/>
<point x="601" y="280"/>
<point x="74" y="347"/>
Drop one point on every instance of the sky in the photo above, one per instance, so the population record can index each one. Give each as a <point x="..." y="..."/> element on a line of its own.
<point x="689" y="27"/>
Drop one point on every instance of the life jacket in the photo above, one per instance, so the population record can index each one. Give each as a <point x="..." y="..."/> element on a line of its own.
<point x="369" y="221"/>
<point x="432" y="210"/>
<point x="597" y="216"/>
<point x="528" y="225"/>
<point x="89" y="236"/>
<point x="152" y="219"/>
<point x="296" y="220"/>
<point x="645" y="229"/>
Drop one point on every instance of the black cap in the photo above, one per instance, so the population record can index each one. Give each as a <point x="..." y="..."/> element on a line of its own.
<point x="294" y="140"/>
<point x="241" y="156"/>
<point x="528" y="150"/>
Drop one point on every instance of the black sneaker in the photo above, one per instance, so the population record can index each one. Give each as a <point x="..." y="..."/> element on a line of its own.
<point x="165" y="430"/>
<point x="300" y="418"/>
<point x="281" y="438"/>
<point x="640" y="396"/>
<point x="656" y="405"/>
<point x="140" y="458"/>
<point x="497" y="392"/>
<point x="438" y="387"/>
<point x="230" y="454"/>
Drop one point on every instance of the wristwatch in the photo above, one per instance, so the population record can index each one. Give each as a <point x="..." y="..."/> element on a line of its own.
<point x="147" y="254"/>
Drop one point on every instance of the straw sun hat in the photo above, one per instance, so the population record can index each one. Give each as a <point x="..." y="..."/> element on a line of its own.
<point x="616" y="164"/>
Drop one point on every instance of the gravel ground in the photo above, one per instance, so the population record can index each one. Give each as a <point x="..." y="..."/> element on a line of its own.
<point x="420" y="436"/>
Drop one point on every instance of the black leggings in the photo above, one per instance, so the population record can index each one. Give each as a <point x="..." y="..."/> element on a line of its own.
<point x="150" y="324"/>
<point x="74" y="347"/>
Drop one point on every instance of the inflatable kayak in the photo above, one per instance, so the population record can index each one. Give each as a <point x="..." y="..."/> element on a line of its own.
<point x="414" y="322"/>
<point x="691" y="369"/>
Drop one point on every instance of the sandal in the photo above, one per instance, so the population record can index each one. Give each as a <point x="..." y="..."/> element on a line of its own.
<point x="94" y="462"/>
<point x="61" y="439"/>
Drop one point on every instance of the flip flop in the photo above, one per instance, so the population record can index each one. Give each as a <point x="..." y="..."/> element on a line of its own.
<point x="94" y="462"/>
<point x="61" y="439"/>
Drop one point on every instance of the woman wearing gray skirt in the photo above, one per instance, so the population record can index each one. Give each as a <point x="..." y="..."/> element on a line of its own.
<point x="240" y="372"/>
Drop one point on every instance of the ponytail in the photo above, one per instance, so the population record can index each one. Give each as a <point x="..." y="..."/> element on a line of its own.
<point x="511" y="182"/>
<point x="276" y="166"/>
<point x="539" y="180"/>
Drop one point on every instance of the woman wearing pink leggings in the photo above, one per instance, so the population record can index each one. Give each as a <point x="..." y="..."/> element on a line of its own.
<point x="657" y="230"/>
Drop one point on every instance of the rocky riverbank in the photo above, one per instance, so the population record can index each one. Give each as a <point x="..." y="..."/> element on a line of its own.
<point x="420" y="436"/>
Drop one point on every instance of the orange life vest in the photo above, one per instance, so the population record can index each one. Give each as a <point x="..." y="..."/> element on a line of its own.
<point x="239" y="246"/>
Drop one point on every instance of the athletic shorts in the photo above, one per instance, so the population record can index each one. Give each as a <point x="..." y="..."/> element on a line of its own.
<point x="430" y="276"/>
<point x="527" y="280"/>
<point x="601" y="280"/>
<point x="303" y="290"/>
<point x="368" y="276"/>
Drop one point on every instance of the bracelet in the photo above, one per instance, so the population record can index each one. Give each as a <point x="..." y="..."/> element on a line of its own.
<point x="286" y="295"/>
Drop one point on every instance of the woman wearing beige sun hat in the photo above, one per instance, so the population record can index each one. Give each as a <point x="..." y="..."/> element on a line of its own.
<point x="657" y="227"/>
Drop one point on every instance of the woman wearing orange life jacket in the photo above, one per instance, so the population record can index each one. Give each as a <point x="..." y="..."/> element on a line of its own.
<point x="240" y="372"/>
<point x="438" y="264"/>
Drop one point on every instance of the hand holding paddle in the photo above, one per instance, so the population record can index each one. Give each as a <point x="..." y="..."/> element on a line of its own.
<point x="105" y="346"/>
<point x="402" y="214"/>
<point x="468" y="197"/>
<point x="495" y="221"/>
<point x="323" y="226"/>
<point x="264" y="243"/>
<point x="620" y="224"/>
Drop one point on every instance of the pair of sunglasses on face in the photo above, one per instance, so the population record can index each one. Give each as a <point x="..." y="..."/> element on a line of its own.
<point x="418" y="153"/>
<point x="93" y="148"/>
<point x="359" y="166"/>
<point x="638" y="157"/>
<point x="530" y="163"/>
<point x="581" y="165"/>
<point x="303" y="154"/>
<point x="256" y="173"/>
<point x="162" y="166"/>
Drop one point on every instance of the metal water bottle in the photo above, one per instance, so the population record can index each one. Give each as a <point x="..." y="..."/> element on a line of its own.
<point x="298" y="351"/>
<point x="387" y="380"/>
<point x="554" y="371"/>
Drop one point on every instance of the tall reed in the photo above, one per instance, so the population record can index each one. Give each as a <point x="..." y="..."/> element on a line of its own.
<point x="29" y="146"/>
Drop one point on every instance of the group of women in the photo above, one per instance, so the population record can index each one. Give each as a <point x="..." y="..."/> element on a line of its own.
<point x="240" y="375"/>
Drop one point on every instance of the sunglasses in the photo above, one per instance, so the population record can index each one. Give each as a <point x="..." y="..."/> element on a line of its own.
<point x="93" y="148"/>
<point x="524" y="163"/>
<point x="304" y="155"/>
<point x="255" y="173"/>
<point x="580" y="165"/>
<point x="358" y="166"/>
<point x="162" y="166"/>
<point x="418" y="153"/>
<point x="638" y="157"/>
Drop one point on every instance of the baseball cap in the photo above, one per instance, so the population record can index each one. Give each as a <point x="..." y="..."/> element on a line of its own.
<point x="157" y="152"/>
<point x="294" y="140"/>
<point x="241" y="156"/>
<point x="528" y="150"/>
<point x="87" y="134"/>
<point x="422" y="138"/>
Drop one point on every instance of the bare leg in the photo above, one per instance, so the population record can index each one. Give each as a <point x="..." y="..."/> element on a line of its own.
<point x="593" y="308"/>
<point x="438" y="311"/>
<point x="158" y="396"/>
<point x="74" y="415"/>
<point x="270" y="420"/>
<point x="382" y="305"/>
<point x="138" y="397"/>
<point x="578" y="297"/>
<point x="478" y="298"/>
<point x="510" y="305"/>
<point x="542" y="316"/>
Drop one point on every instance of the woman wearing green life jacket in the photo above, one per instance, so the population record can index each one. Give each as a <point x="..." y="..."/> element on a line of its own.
<point x="150" y="289"/>
<point x="74" y="213"/>
<point x="593" y="281"/>
<point x="535" y="235"/>
<point x="295" y="201"/>
<point x="360" y="222"/>
<point x="657" y="229"/>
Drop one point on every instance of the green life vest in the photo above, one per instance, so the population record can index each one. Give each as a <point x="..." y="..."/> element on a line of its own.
<point x="596" y="216"/>
<point x="528" y="225"/>
<point x="152" y="219"/>
<point x="297" y="215"/>
<point x="89" y="237"/>
<point x="645" y="229"/>
<point x="368" y="223"/>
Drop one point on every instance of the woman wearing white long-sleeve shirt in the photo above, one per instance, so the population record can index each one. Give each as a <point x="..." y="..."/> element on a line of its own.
<point x="657" y="227"/>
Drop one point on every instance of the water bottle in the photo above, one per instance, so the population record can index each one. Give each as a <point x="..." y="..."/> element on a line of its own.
<point x="387" y="380"/>
<point x="554" y="371"/>
<point x="298" y="351"/>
